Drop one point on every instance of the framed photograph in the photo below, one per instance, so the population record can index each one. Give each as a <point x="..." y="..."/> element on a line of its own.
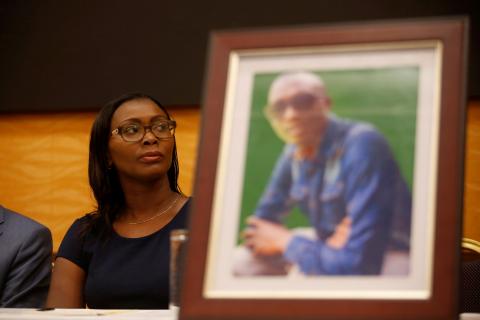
<point x="330" y="171"/>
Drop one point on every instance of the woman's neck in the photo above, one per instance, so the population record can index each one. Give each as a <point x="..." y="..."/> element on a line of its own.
<point x="142" y="199"/>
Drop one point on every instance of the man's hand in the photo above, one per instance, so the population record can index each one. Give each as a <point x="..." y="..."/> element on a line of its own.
<point x="342" y="232"/>
<point x="266" y="238"/>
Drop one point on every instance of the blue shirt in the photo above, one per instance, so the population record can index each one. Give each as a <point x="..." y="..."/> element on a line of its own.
<point x="354" y="174"/>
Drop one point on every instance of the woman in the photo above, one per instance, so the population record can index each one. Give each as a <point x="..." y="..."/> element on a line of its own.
<point x="118" y="256"/>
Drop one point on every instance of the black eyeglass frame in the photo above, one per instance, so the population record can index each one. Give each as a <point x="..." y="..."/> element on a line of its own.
<point x="172" y="124"/>
<point x="278" y="109"/>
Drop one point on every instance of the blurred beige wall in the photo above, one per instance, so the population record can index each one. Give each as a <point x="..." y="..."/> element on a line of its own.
<point x="44" y="160"/>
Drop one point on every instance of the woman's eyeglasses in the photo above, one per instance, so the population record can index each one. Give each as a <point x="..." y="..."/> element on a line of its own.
<point x="134" y="132"/>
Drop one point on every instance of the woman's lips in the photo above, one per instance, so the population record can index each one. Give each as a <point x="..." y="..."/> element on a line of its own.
<point x="152" y="156"/>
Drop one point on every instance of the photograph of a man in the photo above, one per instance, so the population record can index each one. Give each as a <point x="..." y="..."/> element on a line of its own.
<point x="343" y="176"/>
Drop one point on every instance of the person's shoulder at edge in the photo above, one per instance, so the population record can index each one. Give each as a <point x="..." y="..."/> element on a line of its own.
<point x="81" y="239"/>
<point x="25" y="262"/>
<point x="89" y="224"/>
<point x="22" y="224"/>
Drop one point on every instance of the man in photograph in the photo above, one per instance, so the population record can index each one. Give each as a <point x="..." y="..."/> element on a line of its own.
<point x="343" y="176"/>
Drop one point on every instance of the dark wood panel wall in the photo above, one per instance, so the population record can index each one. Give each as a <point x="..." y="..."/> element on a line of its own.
<point x="57" y="55"/>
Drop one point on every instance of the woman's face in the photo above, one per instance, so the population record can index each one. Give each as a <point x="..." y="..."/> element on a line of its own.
<point x="148" y="159"/>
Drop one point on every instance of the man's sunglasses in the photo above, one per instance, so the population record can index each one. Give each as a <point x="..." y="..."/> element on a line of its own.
<point x="300" y="102"/>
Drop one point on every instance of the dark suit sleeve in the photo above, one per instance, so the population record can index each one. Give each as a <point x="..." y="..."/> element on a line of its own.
<point x="29" y="278"/>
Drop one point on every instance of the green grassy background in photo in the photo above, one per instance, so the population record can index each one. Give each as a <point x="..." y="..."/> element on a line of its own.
<point x="386" y="98"/>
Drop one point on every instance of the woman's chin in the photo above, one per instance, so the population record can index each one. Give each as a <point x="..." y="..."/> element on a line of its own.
<point x="152" y="176"/>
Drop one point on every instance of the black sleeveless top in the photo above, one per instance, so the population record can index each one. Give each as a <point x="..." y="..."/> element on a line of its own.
<point x="123" y="273"/>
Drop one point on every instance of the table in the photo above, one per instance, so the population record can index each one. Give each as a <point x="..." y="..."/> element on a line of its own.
<point x="86" y="314"/>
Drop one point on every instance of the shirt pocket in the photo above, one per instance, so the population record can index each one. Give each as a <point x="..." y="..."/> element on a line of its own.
<point x="332" y="191"/>
<point x="332" y="205"/>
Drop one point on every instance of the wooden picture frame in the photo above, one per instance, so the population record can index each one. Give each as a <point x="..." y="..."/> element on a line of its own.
<point x="436" y="48"/>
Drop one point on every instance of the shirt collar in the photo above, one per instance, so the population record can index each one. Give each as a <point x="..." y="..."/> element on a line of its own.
<point x="327" y="145"/>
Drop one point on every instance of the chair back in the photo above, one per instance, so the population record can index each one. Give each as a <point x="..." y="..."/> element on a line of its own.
<point x="470" y="277"/>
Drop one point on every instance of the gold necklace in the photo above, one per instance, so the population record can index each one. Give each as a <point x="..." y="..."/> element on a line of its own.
<point x="158" y="214"/>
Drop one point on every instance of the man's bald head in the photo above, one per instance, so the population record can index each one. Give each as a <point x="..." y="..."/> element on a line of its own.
<point x="293" y="82"/>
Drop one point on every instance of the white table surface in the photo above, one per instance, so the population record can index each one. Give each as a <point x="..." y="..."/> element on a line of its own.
<point x="81" y="314"/>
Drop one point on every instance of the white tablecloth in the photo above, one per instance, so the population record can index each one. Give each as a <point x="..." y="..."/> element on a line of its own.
<point x="80" y="314"/>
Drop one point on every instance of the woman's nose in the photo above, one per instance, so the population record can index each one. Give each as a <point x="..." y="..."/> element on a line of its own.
<point x="149" y="137"/>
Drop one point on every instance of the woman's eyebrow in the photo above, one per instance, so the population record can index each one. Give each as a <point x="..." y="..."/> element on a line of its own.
<point x="129" y="120"/>
<point x="138" y="120"/>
